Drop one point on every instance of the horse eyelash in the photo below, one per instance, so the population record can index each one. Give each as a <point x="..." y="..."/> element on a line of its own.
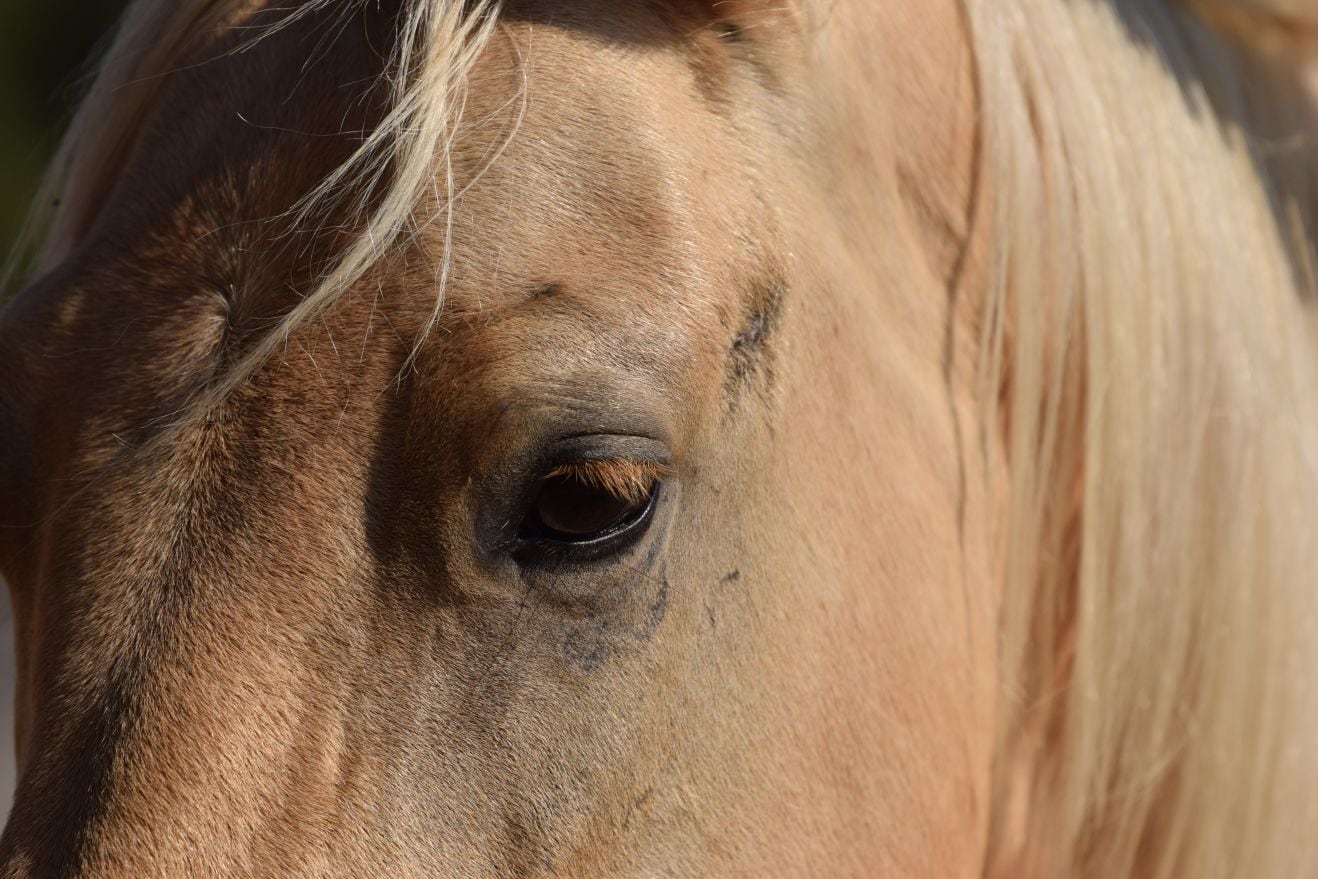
<point x="624" y="478"/>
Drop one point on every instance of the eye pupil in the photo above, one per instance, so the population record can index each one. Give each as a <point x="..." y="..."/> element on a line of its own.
<point x="568" y="509"/>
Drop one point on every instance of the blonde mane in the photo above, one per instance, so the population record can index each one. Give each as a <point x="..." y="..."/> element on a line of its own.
<point x="1151" y="196"/>
<point x="1159" y="621"/>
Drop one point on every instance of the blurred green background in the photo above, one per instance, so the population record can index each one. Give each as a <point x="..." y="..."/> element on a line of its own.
<point x="44" y="49"/>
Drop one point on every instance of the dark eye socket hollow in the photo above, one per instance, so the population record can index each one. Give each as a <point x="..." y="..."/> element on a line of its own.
<point x="585" y="503"/>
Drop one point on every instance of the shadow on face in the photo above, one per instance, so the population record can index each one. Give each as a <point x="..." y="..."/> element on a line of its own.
<point x="633" y="563"/>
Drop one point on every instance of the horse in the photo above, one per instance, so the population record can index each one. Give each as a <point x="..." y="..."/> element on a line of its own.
<point x="638" y="438"/>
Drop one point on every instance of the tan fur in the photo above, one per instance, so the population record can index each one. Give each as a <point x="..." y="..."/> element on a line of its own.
<point x="319" y="299"/>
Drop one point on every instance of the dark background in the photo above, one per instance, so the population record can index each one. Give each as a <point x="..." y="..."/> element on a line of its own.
<point x="44" y="50"/>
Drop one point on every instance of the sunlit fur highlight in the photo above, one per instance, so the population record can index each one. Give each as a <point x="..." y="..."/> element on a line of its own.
<point x="1144" y="320"/>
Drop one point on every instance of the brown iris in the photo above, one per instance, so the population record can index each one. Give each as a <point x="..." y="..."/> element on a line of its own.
<point x="587" y="500"/>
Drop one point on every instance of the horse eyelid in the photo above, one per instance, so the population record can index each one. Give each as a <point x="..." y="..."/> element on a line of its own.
<point x="625" y="478"/>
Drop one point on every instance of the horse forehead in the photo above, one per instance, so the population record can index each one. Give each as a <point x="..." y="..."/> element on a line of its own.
<point x="574" y="162"/>
<point x="611" y="176"/>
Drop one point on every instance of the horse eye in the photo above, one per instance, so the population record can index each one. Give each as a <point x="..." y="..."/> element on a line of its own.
<point x="568" y="510"/>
